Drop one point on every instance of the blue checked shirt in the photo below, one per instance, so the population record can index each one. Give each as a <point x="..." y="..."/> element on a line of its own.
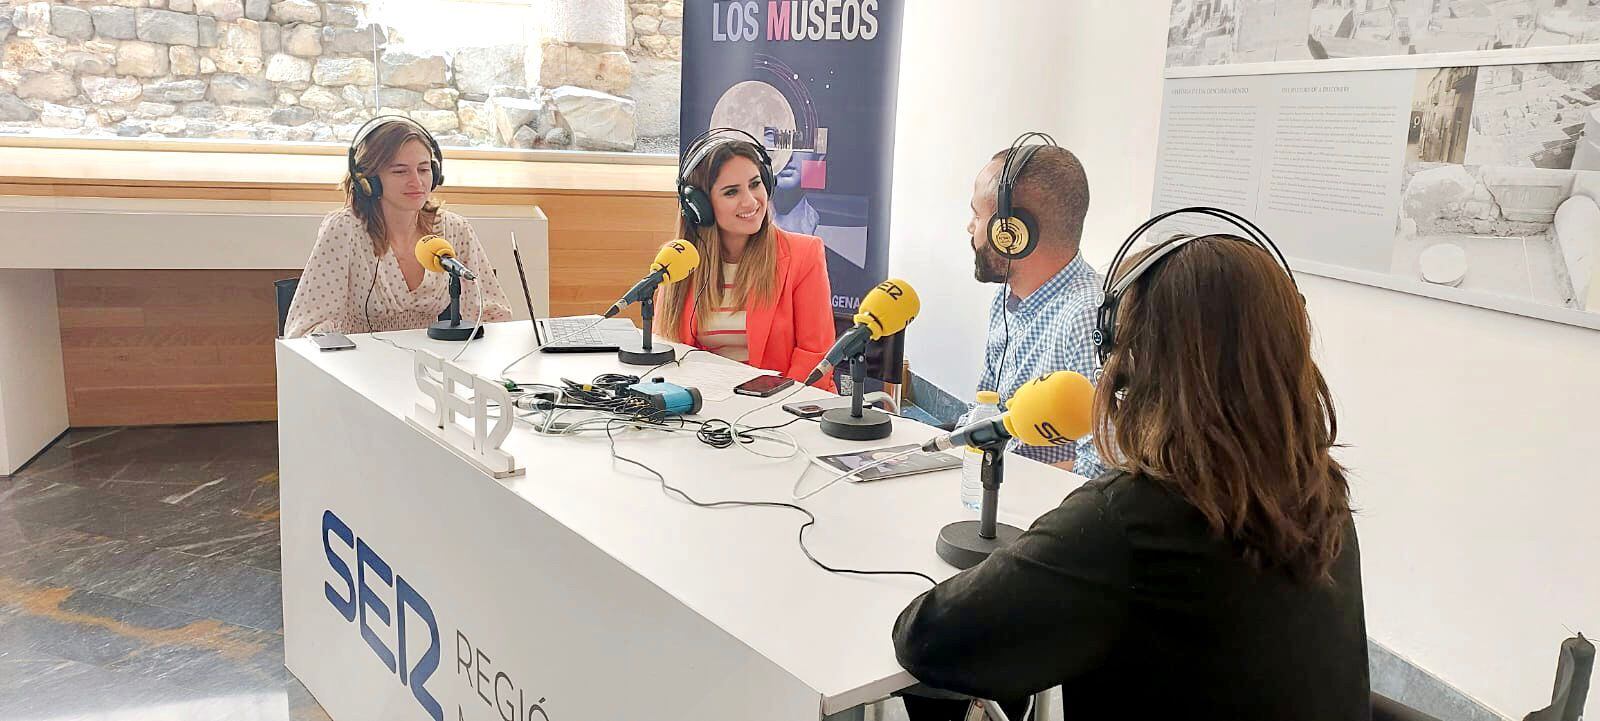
<point x="1050" y="330"/>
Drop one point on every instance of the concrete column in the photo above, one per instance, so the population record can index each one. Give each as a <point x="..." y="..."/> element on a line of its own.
<point x="589" y="22"/>
<point x="33" y="388"/>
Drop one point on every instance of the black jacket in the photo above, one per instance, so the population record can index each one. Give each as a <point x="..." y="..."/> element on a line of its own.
<point x="1124" y="597"/>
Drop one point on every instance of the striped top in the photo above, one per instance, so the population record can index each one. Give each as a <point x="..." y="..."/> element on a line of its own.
<point x="723" y="332"/>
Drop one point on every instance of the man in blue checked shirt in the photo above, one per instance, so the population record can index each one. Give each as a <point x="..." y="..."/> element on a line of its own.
<point x="1043" y="319"/>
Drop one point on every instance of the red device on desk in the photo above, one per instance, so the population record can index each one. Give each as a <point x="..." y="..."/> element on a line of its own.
<point x="763" y="386"/>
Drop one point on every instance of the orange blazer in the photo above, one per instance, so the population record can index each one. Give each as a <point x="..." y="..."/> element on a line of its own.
<point x="791" y="335"/>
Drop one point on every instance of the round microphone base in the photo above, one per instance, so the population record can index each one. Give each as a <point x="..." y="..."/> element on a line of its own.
<point x="634" y="354"/>
<point x="960" y="545"/>
<point x="443" y="330"/>
<point x="871" y="426"/>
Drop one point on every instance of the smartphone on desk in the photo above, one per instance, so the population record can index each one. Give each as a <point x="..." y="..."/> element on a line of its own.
<point x="763" y="386"/>
<point x="815" y="409"/>
<point x="332" y="341"/>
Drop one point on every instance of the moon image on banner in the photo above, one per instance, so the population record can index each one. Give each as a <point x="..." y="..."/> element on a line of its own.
<point x="753" y="106"/>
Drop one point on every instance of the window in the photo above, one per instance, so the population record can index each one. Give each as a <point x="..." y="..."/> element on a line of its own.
<point x="558" y="74"/>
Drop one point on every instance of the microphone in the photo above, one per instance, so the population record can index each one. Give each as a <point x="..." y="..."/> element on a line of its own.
<point x="1051" y="410"/>
<point x="674" y="262"/>
<point x="886" y="310"/>
<point x="436" y="254"/>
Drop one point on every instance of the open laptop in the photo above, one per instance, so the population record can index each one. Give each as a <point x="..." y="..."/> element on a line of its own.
<point x="569" y="333"/>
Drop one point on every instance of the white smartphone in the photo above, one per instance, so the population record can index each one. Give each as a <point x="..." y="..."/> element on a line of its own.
<point x="332" y="341"/>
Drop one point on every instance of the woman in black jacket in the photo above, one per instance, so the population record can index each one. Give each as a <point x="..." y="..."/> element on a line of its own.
<point x="1214" y="572"/>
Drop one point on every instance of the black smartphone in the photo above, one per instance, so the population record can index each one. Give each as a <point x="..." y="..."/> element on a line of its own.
<point x="332" y="341"/>
<point x="805" y="409"/>
<point x="763" y="386"/>
<point x="814" y="409"/>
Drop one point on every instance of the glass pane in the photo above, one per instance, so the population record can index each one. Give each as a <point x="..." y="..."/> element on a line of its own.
<point x="554" y="74"/>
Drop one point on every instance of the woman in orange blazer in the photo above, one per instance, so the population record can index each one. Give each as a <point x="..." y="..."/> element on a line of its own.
<point x="760" y="295"/>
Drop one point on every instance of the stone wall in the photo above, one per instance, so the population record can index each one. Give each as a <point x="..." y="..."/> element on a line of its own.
<point x="655" y="41"/>
<point x="656" y="29"/>
<point x="314" y="70"/>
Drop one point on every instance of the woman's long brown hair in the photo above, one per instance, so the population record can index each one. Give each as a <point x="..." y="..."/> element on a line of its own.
<point x="377" y="151"/>
<point x="757" y="279"/>
<point x="1211" y="389"/>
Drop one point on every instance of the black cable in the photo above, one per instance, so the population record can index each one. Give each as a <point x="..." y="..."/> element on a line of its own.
<point x="811" y="518"/>
<point x="675" y="361"/>
<point x="719" y="433"/>
<point x="608" y="392"/>
<point x="366" y="306"/>
<point x="796" y="419"/>
<point x="1005" y="322"/>
<point x="614" y="380"/>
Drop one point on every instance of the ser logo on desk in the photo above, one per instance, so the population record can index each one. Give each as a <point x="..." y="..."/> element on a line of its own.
<point x="364" y="598"/>
<point x="370" y="567"/>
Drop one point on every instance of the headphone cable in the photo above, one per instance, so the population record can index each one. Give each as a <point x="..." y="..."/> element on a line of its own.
<point x="811" y="518"/>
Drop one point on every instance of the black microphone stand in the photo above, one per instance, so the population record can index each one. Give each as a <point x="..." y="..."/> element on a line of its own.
<point x="453" y="328"/>
<point x="644" y="353"/>
<point x="857" y="423"/>
<point x="965" y="544"/>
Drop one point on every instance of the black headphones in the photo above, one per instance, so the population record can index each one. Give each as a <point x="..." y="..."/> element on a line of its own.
<point x="1105" y="333"/>
<point x="369" y="186"/>
<point x="1013" y="231"/>
<point x="693" y="202"/>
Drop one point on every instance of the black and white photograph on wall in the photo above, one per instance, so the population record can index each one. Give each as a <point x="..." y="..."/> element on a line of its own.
<point x="1537" y="116"/>
<point x="1201" y="32"/>
<point x="1524" y="233"/>
<point x="1272" y="30"/>
<point x="1441" y="115"/>
<point x="1362" y="28"/>
<point x="1252" y="31"/>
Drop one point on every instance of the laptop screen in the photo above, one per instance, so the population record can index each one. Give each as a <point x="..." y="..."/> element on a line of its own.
<point x="522" y="277"/>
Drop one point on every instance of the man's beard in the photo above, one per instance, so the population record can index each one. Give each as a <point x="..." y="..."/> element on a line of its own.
<point x="989" y="267"/>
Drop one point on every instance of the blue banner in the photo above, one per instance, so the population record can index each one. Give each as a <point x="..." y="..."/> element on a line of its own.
<point x="817" y="80"/>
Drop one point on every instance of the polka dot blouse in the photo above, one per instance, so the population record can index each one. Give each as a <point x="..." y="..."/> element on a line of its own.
<point x="345" y="289"/>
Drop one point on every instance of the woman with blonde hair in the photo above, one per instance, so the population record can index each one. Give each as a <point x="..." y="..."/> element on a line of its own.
<point x="363" y="274"/>
<point x="760" y="294"/>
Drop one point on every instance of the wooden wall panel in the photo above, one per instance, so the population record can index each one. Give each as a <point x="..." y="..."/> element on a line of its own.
<point x="601" y="245"/>
<point x="144" y="347"/>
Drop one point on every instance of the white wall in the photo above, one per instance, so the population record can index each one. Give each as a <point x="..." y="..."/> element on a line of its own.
<point x="1470" y="431"/>
<point x="33" y="388"/>
<point x="970" y="82"/>
<point x="1472" y="437"/>
<point x="963" y="95"/>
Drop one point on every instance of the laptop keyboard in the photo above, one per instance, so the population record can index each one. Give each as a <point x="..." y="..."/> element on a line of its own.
<point x="570" y="332"/>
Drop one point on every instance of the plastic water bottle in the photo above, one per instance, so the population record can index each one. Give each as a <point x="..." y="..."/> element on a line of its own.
<point x="972" y="460"/>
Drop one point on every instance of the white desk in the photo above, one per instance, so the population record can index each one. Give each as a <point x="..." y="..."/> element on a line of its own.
<point x="595" y="594"/>
<point x="50" y="233"/>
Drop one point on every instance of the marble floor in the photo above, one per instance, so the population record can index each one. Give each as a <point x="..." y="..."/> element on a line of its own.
<point x="139" y="579"/>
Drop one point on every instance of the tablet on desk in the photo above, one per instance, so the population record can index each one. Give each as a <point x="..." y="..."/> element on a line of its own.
<point x="920" y="462"/>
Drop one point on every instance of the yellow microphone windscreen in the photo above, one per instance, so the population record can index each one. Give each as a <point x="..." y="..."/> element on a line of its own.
<point x="889" y="308"/>
<point x="430" y="249"/>
<point x="678" y="258"/>
<point x="1051" y="410"/>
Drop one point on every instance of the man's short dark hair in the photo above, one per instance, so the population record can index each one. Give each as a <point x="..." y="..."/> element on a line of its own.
<point x="1055" y="189"/>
